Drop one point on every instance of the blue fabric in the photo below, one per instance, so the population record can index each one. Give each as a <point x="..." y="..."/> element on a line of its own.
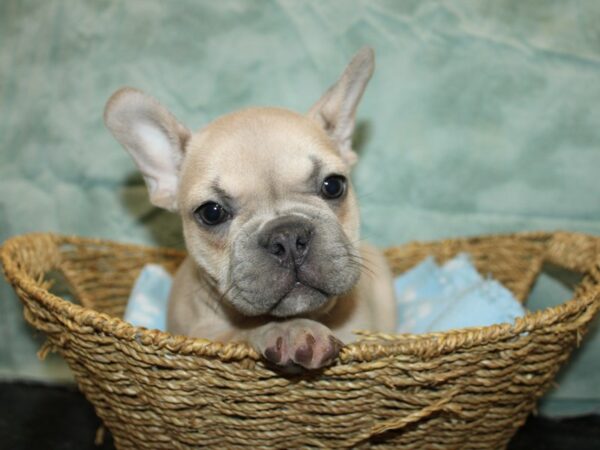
<point x="147" y="305"/>
<point x="438" y="298"/>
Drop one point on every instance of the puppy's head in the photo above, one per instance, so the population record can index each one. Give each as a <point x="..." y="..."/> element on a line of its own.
<point x="264" y="193"/>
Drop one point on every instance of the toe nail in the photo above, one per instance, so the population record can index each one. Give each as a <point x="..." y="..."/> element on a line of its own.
<point x="333" y="350"/>
<point x="335" y="342"/>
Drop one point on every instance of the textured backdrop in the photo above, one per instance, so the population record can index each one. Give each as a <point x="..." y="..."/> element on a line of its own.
<point x="481" y="117"/>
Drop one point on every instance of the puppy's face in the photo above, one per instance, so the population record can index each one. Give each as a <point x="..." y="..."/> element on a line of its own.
<point x="264" y="193"/>
<point x="269" y="212"/>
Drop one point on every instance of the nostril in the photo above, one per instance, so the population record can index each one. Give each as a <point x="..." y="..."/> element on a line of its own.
<point x="288" y="243"/>
<point x="301" y="243"/>
<point x="277" y="249"/>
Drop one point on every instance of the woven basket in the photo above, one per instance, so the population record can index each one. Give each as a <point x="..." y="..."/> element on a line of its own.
<point x="469" y="388"/>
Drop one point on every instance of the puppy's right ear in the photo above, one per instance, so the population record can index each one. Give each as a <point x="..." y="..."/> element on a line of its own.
<point x="153" y="137"/>
<point x="336" y="109"/>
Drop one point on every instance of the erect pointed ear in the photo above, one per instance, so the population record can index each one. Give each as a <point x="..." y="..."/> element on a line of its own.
<point x="153" y="137"/>
<point x="336" y="110"/>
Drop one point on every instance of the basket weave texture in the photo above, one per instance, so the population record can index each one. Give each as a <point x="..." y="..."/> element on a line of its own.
<point x="467" y="389"/>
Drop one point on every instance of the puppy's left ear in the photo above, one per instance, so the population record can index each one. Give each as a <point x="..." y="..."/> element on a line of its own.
<point x="336" y="110"/>
<point x="154" y="139"/>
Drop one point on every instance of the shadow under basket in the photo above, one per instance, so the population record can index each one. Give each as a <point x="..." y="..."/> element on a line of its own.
<point x="469" y="388"/>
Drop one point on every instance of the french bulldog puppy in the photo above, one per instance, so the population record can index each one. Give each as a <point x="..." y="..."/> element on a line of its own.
<point x="270" y="221"/>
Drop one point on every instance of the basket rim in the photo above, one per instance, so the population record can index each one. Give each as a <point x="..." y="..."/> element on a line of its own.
<point x="365" y="349"/>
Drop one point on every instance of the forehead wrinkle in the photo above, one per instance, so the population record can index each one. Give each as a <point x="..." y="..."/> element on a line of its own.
<point x="219" y="191"/>
<point x="316" y="169"/>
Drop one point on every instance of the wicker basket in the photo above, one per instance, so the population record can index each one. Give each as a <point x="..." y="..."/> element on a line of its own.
<point x="468" y="388"/>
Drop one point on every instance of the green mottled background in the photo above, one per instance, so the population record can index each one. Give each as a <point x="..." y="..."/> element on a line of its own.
<point x="483" y="116"/>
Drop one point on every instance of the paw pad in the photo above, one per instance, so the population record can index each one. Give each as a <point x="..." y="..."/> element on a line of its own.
<point x="304" y="353"/>
<point x="273" y="354"/>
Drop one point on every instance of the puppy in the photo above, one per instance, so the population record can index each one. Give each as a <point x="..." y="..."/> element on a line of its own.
<point x="270" y="222"/>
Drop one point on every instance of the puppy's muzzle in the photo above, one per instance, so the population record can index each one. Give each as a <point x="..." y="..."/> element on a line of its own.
<point x="287" y="240"/>
<point x="291" y="265"/>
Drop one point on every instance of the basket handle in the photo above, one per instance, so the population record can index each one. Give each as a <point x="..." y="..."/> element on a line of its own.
<point x="401" y="422"/>
<point x="25" y="260"/>
<point x="573" y="251"/>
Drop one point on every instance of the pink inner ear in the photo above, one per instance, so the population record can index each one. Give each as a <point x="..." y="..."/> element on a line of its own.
<point x="152" y="137"/>
<point x="157" y="157"/>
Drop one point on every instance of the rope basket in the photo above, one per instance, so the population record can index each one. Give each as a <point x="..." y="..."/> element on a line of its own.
<point x="468" y="389"/>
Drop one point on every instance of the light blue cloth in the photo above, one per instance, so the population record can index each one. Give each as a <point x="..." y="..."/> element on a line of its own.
<point x="430" y="298"/>
<point x="147" y="305"/>
<point x="438" y="298"/>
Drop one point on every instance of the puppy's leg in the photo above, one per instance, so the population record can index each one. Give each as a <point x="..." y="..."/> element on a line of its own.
<point x="296" y="342"/>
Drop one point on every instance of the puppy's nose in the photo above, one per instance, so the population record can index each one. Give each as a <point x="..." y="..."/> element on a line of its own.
<point x="289" y="243"/>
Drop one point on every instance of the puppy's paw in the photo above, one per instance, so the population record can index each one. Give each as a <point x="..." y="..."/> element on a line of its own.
<point x="312" y="346"/>
<point x="300" y="342"/>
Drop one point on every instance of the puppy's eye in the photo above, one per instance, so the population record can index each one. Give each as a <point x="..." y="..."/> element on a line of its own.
<point x="211" y="213"/>
<point x="333" y="187"/>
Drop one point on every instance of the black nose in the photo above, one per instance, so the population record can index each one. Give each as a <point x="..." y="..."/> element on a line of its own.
<point x="288" y="242"/>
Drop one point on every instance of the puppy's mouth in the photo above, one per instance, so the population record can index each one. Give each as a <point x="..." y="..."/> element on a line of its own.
<point x="300" y="298"/>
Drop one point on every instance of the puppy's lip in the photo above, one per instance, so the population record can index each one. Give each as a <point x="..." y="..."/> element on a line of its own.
<point x="279" y="309"/>
<point x="296" y="286"/>
<point x="245" y="307"/>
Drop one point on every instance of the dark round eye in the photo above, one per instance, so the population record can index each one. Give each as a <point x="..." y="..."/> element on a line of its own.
<point x="211" y="213"/>
<point x="333" y="186"/>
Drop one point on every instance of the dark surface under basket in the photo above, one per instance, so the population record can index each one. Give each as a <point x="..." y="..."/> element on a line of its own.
<point x="464" y="389"/>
